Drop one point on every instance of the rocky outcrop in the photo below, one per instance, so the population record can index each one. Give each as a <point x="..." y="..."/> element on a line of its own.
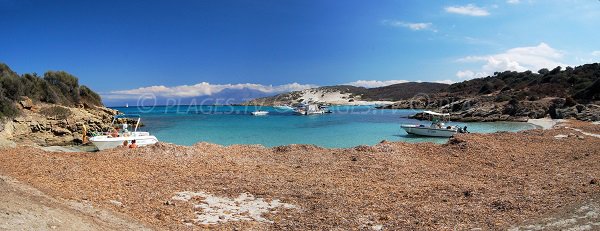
<point x="26" y="103"/>
<point x="488" y="109"/>
<point x="47" y="124"/>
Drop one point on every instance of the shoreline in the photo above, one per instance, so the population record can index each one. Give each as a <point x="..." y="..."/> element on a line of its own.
<point x="545" y="123"/>
<point x="488" y="181"/>
<point x="90" y="148"/>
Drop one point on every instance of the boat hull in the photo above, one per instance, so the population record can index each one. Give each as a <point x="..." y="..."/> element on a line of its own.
<point x="105" y="142"/>
<point x="310" y="112"/>
<point x="428" y="131"/>
<point x="260" y="113"/>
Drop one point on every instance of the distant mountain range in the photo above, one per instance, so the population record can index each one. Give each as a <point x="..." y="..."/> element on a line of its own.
<point x="224" y="97"/>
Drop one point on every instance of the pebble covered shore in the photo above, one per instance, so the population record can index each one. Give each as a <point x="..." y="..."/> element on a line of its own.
<point x="487" y="181"/>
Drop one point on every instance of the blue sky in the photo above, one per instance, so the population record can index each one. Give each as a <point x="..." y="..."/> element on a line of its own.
<point x="195" y="48"/>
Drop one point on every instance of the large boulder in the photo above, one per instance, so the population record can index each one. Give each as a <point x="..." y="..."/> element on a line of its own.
<point x="26" y="103"/>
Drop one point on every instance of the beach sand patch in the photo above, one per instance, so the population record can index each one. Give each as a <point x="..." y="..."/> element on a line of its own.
<point x="584" y="217"/>
<point x="214" y="210"/>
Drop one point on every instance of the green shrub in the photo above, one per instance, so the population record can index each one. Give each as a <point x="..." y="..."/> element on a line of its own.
<point x="88" y="96"/>
<point x="502" y="98"/>
<point x="12" y="86"/>
<point x="57" y="112"/>
<point x="66" y="83"/>
<point x="486" y="88"/>
<point x="7" y="108"/>
<point x="56" y="87"/>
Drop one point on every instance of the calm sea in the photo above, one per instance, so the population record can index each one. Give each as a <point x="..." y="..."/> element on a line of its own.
<point x="347" y="126"/>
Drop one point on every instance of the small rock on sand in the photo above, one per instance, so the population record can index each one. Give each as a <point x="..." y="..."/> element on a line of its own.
<point x="560" y="136"/>
<point x="377" y="227"/>
<point x="116" y="203"/>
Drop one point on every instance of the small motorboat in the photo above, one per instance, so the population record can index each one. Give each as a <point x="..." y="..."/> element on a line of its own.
<point x="437" y="128"/>
<point x="311" y="109"/>
<point x="119" y="137"/>
<point x="260" y="113"/>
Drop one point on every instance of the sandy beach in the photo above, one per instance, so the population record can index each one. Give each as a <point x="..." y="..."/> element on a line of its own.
<point x="544" y="123"/>
<point x="488" y="181"/>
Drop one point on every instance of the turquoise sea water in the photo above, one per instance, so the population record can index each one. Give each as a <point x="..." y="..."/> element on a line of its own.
<point x="347" y="126"/>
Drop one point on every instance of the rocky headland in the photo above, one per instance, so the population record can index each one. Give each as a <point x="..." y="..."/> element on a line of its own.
<point x="52" y="109"/>
<point x="485" y="109"/>
<point x="570" y="93"/>
<point x="45" y="124"/>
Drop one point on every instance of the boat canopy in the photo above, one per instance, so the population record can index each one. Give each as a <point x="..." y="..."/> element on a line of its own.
<point x="137" y="124"/>
<point x="436" y="114"/>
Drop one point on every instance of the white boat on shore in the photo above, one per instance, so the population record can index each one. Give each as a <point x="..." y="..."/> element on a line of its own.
<point x="123" y="137"/>
<point x="437" y="128"/>
<point x="260" y="113"/>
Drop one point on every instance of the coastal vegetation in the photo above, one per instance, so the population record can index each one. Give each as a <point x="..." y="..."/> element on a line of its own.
<point x="517" y="96"/>
<point x="580" y="84"/>
<point x="575" y="85"/>
<point x="54" y="87"/>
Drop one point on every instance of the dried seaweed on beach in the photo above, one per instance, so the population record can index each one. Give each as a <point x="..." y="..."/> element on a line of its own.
<point x="488" y="181"/>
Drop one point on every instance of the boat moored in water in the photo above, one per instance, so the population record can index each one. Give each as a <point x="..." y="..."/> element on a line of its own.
<point x="437" y="128"/>
<point x="121" y="137"/>
<point x="311" y="109"/>
<point x="260" y="113"/>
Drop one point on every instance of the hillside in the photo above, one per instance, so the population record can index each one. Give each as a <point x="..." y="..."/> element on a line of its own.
<point x="49" y="110"/>
<point x="580" y="83"/>
<point x="510" y="95"/>
<point x="351" y="95"/>
<point x="55" y="87"/>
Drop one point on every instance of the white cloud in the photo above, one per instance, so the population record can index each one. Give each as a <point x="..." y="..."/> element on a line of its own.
<point x="469" y="74"/>
<point x="410" y="25"/>
<point x="595" y="53"/>
<point x="469" y="9"/>
<point x="513" y="1"/>
<point x="202" y="89"/>
<point x="515" y="59"/>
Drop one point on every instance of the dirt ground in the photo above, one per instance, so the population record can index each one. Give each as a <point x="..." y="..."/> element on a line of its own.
<point x="503" y="180"/>
<point x="25" y="208"/>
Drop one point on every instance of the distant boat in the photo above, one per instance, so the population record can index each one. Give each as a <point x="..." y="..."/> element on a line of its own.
<point x="126" y="105"/>
<point x="311" y="109"/>
<point x="437" y="127"/>
<point x="283" y="107"/>
<point x="117" y="138"/>
<point x="259" y="113"/>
